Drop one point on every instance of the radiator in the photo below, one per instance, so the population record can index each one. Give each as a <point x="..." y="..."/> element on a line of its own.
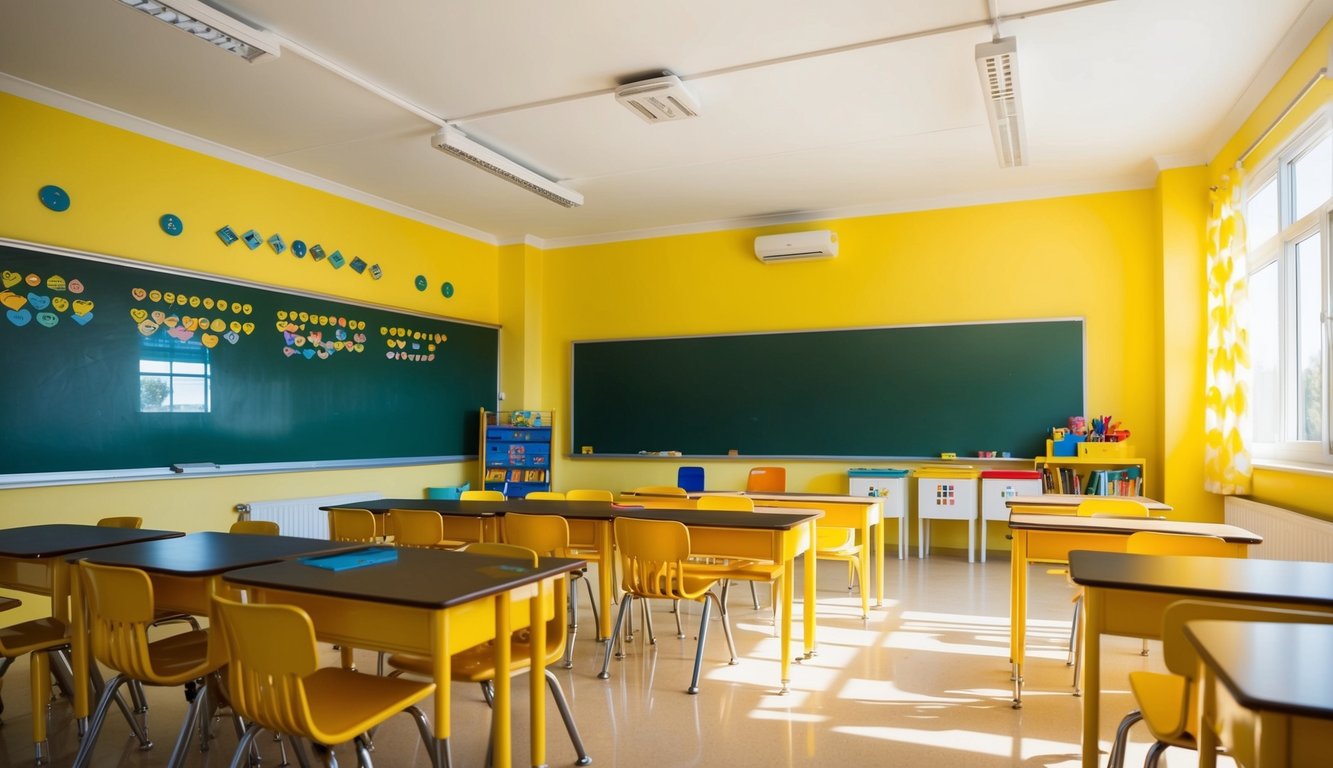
<point x="301" y="517"/>
<point x="1287" y="535"/>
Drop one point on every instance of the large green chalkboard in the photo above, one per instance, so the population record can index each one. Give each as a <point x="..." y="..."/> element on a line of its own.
<point x="87" y="386"/>
<point x="911" y="391"/>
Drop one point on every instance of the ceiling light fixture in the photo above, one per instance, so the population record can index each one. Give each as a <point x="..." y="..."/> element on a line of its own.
<point x="659" y="99"/>
<point x="454" y="142"/>
<point x="997" y="63"/>
<point x="213" y="26"/>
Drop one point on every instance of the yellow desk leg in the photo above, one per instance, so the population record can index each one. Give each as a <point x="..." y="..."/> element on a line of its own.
<point x="537" y="678"/>
<point x="1092" y="669"/>
<point x="500" y="734"/>
<point x="1018" y="614"/>
<point x="788" y="576"/>
<point x="879" y="555"/>
<point x="864" y="557"/>
<point x="78" y="648"/>
<point x="810" y="561"/>
<point x="443" y="674"/>
<point x="606" y="577"/>
<point x="1207" y="712"/>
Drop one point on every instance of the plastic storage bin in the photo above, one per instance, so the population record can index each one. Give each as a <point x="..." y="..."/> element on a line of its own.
<point x="999" y="485"/>
<point x="890" y="487"/>
<point x="946" y="493"/>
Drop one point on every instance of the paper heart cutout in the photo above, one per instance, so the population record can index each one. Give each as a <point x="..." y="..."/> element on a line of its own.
<point x="39" y="301"/>
<point x="180" y="299"/>
<point x="47" y="319"/>
<point x="82" y="319"/>
<point x="172" y="321"/>
<point x="359" y="338"/>
<point x="291" y="327"/>
<point x="281" y="325"/>
<point x="218" y="325"/>
<point x="222" y="305"/>
<point x="209" y="340"/>
<point x="247" y="328"/>
<point x="194" y="301"/>
<point x="247" y="309"/>
<point x="55" y="283"/>
<point x="323" y="354"/>
<point x="33" y="280"/>
<point x="74" y="286"/>
<point x="19" y="317"/>
<point x="415" y="345"/>
<point x="59" y="303"/>
<point x="402" y="343"/>
<point x="342" y="322"/>
<point x="169" y="297"/>
<point x="360" y="347"/>
<point x="337" y="346"/>
<point x="299" y="341"/>
<point x="10" y="279"/>
<point x="391" y="355"/>
<point x="139" y="294"/>
<point x="308" y="353"/>
<point x="235" y="326"/>
<point x="430" y="358"/>
<point x="289" y="338"/>
<point x="148" y="327"/>
<point x="158" y="316"/>
<point x="180" y="333"/>
<point x="12" y="300"/>
<point x="208" y="302"/>
<point x="138" y="314"/>
<point x="316" y="337"/>
<point x="288" y="351"/>
<point x="340" y="334"/>
<point x="83" y="306"/>
<point x="190" y="323"/>
<point x="232" y="337"/>
<point x="282" y="314"/>
<point x="154" y="295"/>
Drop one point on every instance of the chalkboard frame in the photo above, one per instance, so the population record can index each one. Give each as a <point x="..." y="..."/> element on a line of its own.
<point x="83" y="476"/>
<point x="578" y="439"/>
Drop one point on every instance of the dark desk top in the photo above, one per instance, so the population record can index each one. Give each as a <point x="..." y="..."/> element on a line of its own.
<point x="421" y="578"/>
<point x="38" y="541"/>
<point x="710" y="518"/>
<point x="1277" y="581"/>
<point x="209" y="553"/>
<point x="594" y="510"/>
<point x="1124" y="526"/>
<point x="1270" y="666"/>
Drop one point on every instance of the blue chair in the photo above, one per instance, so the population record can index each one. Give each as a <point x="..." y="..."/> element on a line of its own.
<point x="690" y="478"/>
<point x="448" y="491"/>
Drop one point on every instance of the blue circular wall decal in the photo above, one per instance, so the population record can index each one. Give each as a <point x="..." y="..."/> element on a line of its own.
<point x="421" y="282"/>
<point x="448" y="290"/>
<point x="54" y="197"/>
<point x="298" y="248"/>
<point x="171" y="224"/>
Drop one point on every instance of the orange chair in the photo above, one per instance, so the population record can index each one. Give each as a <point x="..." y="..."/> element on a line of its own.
<point x="767" y="480"/>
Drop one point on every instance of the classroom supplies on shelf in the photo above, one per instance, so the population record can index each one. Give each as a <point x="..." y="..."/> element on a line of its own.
<point x="516" y="447"/>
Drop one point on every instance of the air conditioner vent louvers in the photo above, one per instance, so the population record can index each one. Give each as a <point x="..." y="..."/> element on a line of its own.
<point x="997" y="64"/>
<point x="658" y="100"/>
<point x="796" y="246"/>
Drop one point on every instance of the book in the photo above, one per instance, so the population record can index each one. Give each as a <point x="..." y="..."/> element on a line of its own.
<point x="358" y="558"/>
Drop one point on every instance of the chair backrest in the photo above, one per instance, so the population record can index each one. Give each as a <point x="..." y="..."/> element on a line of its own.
<point x="545" y="495"/>
<point x="770" y="479"/>
<point x="271" y="650"/>
<point x="589" y="494"/>
<point x="1111" y="506"/>
<point x="690" y="478"/>
<point x="259" y="527"/>
<point x="121" y="522"/>
<point x="347" y="524"/>
<point x="661" y="490"/>
<point x="447" y="491"/>
<point x="726" y="502"/>
<point x="416" y="527"/>
<point x="500" y="549"/>
<point x="652" y="558"/>
<point x="546" y="535"/>
<point x="1179" y="653"/>
<point x="1155" y="543"/>
<point x="481" y="496"/>
<point x="120" y="610"/>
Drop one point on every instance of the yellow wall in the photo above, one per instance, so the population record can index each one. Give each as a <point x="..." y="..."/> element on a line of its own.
<point x="1093" y="256"/>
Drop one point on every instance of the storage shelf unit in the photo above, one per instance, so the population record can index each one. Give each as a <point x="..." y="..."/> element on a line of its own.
<point x="516" y="452"/>
<point x="1058" y="471"/>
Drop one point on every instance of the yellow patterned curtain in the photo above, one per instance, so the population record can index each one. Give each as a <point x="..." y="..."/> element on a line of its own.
<point x="1227" y="468"/>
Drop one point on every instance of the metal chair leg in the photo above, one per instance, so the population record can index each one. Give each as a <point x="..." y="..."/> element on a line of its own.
<point x="563" y="705"/>
<point x="1119" y="744"/>
<point x="1154" y="754"/>
<point x="614" y="644"/>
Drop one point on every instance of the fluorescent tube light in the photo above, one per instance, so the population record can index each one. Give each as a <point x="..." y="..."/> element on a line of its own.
<point x="997" y="63"/>
<point x="212" y="26"/>
<point x="454" y="142"/>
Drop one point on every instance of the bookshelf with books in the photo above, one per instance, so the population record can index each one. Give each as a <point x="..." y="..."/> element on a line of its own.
<point x="516" y="452"/>
<point x="1100" y="469"/>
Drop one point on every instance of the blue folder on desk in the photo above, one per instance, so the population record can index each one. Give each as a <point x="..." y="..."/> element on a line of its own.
<point x="359" y="558"/>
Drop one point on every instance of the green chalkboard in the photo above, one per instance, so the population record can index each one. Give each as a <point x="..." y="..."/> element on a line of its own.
<point x="911" y="391"/>
<point x="107" y="366"/>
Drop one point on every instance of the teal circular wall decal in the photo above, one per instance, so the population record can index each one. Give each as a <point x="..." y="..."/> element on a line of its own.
<point x="421" y="282"/>
<point x="171" y="224"/>
<point x="448" y="290"/>
<point x="54" y="197"/>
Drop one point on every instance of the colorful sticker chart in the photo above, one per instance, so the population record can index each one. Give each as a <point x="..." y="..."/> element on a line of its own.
<point x="310" y="336"/>
<point x="43" y="302"/>
<point x="411" y="345"/>
<point x="185" y="316"/>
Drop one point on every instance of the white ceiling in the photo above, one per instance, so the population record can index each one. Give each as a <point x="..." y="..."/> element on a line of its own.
<point x="1110" y="90"/>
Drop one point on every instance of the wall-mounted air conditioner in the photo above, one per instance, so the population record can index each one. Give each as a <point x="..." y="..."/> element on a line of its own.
<point x="795" y="246"/>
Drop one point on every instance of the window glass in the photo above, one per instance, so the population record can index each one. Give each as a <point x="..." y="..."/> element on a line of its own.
<point x="1309" y="341"/>
<point x="1264" y="354"/>
<point x="1261" y="218"/>
<point x="1311" y="177"/>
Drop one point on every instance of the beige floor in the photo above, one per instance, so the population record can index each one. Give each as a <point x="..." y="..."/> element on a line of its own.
<point x="925" y="682"/>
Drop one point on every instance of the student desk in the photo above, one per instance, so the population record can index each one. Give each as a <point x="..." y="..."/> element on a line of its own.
<point x="186" y="573"/>
<point x="430" y="603"/>
<point x="1127" y="594"/>
<point x="1267" y="692"/>
<point x="487" y="513"/>
<point x="1067" y="503"/>
<point x="1049" y="538"/>
<point x="32" y="560"/>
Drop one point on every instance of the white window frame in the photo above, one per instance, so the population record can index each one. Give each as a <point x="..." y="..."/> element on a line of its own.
<point x="1282" y="249"/>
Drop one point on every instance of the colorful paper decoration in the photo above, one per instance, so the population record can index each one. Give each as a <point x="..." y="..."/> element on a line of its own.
<point x="275" y="242"/>
<point x="298" y="249"/>
<point x="448" y="290"/>
<point x="421" y="282"/>
<point x="54" y="198"/>
<point x="171" y="224"/>
<point x="227" y="235"/>
<point x="252" y="239"/>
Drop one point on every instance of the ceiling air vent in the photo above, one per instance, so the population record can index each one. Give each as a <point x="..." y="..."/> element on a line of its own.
<point x="659" y="100"/>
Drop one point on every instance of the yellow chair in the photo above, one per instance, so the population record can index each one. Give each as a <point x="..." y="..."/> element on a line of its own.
<point x="41" y="638"/>
<point x="255" y="527"/>
<point x="121" y="522"/>
<point x="481" y="496"/>
<point x="654" y="562"/>
<point x="420" y="528"/>
<point x="1112" y="506"/>
<point x="275" y="683"/>
<point x="767" y="480"/>
<point x="1168" y="702"/>
<point x="744" y="570"/>
<point x="588" y="494"/>
<point x="545" y="496"/>
<point x="352" y="525"/>
<point x="477" y="664"/>
<point x="120" y="612"/>
<point x="835" y="543"/>
<point x="548" y="536"/>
